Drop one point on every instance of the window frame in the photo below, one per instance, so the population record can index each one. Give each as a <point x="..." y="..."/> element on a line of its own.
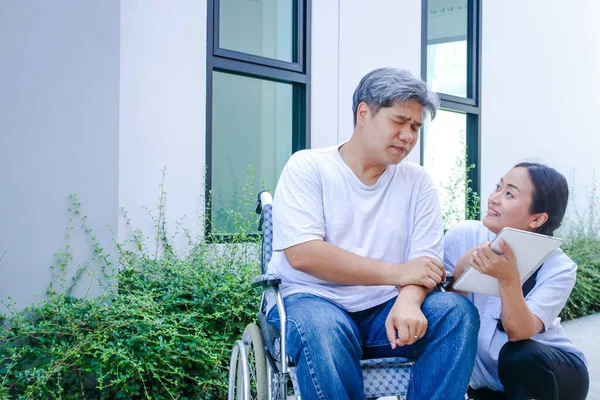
<point x="470" y="105"/>
<point x="297" y="63"/>
<point x="298" y="74"/>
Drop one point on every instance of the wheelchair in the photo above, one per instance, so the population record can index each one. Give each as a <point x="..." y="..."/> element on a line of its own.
<point x="259" y="367"/>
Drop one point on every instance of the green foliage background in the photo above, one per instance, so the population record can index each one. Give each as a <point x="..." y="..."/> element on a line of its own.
<point x="167" y="334"/>
<point x="581" y="236"/>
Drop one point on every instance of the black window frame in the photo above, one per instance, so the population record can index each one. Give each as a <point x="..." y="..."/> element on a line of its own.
<point x="470" y="105"/>
<point x="297" y="73"/>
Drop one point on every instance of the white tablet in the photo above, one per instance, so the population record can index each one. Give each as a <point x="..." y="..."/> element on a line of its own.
<point x="531" y="250"/>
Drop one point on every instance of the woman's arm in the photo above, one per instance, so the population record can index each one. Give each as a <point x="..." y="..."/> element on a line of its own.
<point x="461" y="266"/>
<point x="517" y="319"/>
<point x="456" y="259"/>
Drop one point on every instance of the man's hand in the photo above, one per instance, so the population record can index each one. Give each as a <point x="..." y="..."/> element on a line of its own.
<point x="406" y="323"/>
<point x="423" y="271"/>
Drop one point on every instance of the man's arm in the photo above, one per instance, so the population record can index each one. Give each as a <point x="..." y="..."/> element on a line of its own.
<point x="331" y="263"/>
<point x="406" y="323"/>
<point x="299" y="231"/>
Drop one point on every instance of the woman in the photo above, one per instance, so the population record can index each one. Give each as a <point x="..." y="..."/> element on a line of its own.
<point x="522" y="350"/>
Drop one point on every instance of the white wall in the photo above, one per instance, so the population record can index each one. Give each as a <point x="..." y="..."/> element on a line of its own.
<point x="325" y="73"/>
<point x="351" y="38"/>
<point x="541" y="85"/>
<point x="163" y="107"/>
<point x="59" y="132"/>
<point x="61" y="65"/>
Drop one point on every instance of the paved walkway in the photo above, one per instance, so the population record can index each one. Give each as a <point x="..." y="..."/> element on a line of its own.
<point x="585" y="333"/>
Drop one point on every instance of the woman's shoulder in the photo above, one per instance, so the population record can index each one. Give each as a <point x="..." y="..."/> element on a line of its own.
<point x="466" y="235"/>
<point x="467" y="229"/>
<point x="559" y="262"/>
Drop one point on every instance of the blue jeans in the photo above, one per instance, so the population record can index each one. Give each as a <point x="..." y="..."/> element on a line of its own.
<point x="326" y="344"/>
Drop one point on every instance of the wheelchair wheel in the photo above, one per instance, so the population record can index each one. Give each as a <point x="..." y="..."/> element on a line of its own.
<point x="257" y="361"/>
<point x="248" y="367"/>
<point x="238" y="365"/>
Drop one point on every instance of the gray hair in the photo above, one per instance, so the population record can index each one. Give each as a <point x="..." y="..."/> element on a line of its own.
<point x="386" y="87"/>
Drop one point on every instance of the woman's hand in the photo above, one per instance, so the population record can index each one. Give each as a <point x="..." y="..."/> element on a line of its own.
<point x="464" y="262"/>
<point x="500" y="266"/>
<point x="518" y="320"/>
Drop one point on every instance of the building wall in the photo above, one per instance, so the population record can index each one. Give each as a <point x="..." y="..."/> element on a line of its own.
<point x="163" y="110"/>
<point x="96" y="98"/>
<point x="541" y="79"/>
<point x="325" y="73"/>
<point x="59" y="133"/>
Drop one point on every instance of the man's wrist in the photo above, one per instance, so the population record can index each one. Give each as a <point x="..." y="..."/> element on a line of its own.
<point x="412" y="294"/>
<point x="391" y="274"/>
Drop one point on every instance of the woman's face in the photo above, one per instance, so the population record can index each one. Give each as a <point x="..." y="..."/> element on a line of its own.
<point x="509" y="205"/>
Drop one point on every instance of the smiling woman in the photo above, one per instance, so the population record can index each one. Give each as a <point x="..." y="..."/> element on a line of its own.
<point x="523" y="352"/>
<point x="511" y="203"/>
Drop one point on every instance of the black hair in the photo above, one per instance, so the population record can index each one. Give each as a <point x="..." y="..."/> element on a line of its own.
<point x="550" y="195"/>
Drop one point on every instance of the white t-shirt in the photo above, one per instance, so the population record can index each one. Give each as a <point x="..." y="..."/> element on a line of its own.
<point x="319" y="197"/>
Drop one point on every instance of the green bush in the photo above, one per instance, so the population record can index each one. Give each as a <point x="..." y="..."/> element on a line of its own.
<point x="585" y="297"/>
<point x="582" y="244"/>
<point x="167" y="334"/>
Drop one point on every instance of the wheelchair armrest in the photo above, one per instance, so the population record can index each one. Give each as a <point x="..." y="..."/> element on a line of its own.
<point x="266" y="280"/>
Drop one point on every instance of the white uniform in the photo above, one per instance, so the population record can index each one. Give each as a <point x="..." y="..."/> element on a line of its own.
<point x="553" y="284"/>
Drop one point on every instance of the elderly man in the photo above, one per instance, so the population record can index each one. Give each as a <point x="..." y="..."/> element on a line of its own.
<point x="358" y="247"/>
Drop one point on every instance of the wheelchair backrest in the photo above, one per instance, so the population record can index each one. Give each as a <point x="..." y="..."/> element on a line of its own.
<point x="265" y="208"/>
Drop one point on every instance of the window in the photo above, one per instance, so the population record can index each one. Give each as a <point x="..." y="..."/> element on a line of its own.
<point x="258" y="93"/>
<point x="451" y="66"/>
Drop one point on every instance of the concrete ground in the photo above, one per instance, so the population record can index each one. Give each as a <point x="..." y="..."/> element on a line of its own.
<point x="585" y="333"/>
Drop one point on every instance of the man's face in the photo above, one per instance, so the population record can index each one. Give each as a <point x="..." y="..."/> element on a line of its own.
<point x="393" y="132"/>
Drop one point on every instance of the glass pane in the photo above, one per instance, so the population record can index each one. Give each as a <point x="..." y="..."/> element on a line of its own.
<point x="447" y="31"/>
<point x="445" y="160"/>
<point x="251" y="142"/>
<point x="263" y="28"/>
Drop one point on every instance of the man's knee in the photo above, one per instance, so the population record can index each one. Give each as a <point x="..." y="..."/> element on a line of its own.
<point x="453" y="309"/>
<point x="319" y="325"/>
